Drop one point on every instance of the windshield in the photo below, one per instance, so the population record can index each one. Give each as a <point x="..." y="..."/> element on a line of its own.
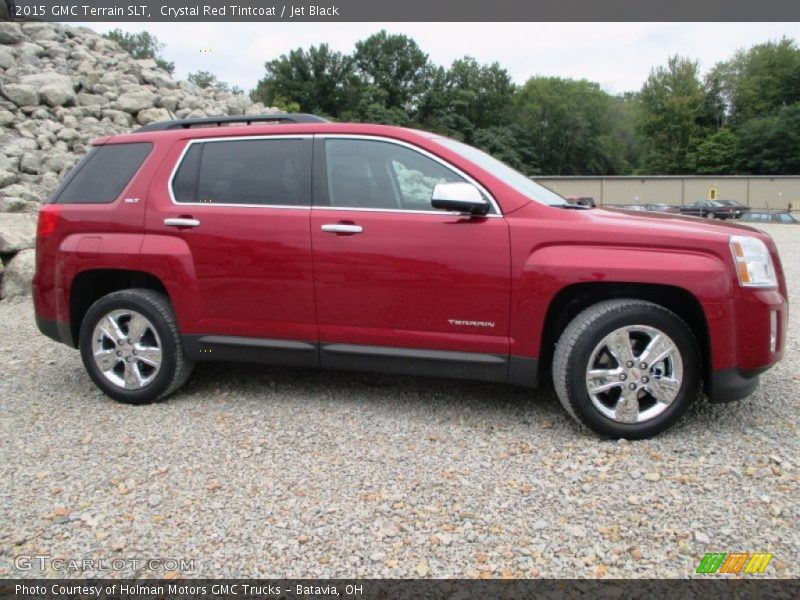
<point x="525" y="186"/>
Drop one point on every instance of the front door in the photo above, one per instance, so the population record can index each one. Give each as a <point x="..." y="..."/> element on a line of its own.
<point x="393" y="273"/>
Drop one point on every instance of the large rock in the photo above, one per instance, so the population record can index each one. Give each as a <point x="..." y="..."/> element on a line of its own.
<point x="159" y="78"/>
<point x="54" y="89"/>
<point x="17" y="232"/>
<point x="18" y="275"/>
<point x="10" y="33"/>
<point x="21" y="94"/>
<point x="6" y="58"/>
<point x="6" y="117"/>
<point x="133" y="102"/>
<point x="152" y="115"/>
<point x="19" y="146"/>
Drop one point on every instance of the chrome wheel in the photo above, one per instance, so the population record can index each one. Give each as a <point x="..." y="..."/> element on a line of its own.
<point x="126" y="349"/>
<point x="634" y="374"/>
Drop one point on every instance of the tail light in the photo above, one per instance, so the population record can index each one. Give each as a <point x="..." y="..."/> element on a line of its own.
<point x="48" y="219"/>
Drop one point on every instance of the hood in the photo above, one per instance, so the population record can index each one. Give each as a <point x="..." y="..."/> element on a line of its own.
<point x="668" y="223"/>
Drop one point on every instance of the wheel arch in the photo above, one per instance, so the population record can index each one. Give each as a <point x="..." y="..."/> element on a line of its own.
<point x="89" y="286"/>
<point x="572" y="299"/>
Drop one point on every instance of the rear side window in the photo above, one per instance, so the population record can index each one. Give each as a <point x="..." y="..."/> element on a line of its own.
<point x="274" y="172"/>
<point x="103" y="174"/>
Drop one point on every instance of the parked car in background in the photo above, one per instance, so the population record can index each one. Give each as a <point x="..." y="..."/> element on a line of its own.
<point x="660" y="207"/>
<point x="581" y="201"/>
<point x="710" y="209"/>
<point x="738" y="207"/>
<point x="769" y="217"/>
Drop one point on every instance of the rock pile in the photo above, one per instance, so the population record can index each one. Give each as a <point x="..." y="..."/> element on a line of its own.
<point x="62" y="86"/>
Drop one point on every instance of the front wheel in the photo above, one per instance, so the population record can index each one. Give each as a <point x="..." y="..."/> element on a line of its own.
<point x="131" y="347"/>
<point x="626" y="368"/>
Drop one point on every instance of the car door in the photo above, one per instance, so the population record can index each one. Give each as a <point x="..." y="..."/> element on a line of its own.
<point x="399" y="285"/>
<point x="239" y="210"/>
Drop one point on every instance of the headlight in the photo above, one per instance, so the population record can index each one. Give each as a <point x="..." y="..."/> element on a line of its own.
<point x="753" y="262"/>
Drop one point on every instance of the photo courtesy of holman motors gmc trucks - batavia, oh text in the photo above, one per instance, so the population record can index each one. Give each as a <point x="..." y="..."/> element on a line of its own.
<point x="290" y="240"/>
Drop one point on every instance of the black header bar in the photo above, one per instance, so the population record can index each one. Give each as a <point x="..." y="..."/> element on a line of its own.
<point x="407" y="10"/>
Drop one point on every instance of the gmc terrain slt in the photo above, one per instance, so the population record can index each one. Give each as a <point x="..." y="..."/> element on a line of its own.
<point x="294" y="241"/>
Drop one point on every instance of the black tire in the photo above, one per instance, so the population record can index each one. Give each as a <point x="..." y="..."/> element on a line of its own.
<point x="586" y="333"/>
<point x="174" y="369"/>
<point x="711" y="215"/>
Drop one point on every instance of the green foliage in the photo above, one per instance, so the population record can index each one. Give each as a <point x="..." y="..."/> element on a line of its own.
<point x="671" y="104"/>
<point x="718" y="154"/>
<point x="741" y="118"/>
<point x="760" y="80"/>
<point x="569" y="126"/>
<point x="318" y="80"/>
<point x="393" y="70"/>
<point x="141" y="45"/>
<point x="771" y="145"/>
<point x="204" y="79"/>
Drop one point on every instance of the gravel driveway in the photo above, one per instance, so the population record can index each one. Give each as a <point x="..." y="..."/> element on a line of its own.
<point x="263" y="472"/>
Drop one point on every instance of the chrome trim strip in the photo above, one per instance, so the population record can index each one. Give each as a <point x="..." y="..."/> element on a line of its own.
<point x="232" y="340"/>
<point x="181" y="222"/>
<point x="399" y="352"/>
<point x="341" y="228"/>
<point x="495" y="206"/>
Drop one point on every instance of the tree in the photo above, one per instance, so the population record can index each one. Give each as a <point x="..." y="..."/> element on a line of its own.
<point x="318" y="80"/>
<point x="204" y="79"/>
<point x="394" y="70"/>
<point x="141" y="45"/>
<point x="760" y="80"/>
<point x="671" y="105"/>
<point x="568" y="126"/>
<point x="718" y="154"/>
<point x="465" y="98"/>
<point x="771" y="145"/>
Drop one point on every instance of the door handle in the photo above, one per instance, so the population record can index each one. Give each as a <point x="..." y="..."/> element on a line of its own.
<point x="342" y="228"/>
<point x="181" y="222"/>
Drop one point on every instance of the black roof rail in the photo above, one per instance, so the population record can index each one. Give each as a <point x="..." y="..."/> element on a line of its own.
<point x="244" y="119"/>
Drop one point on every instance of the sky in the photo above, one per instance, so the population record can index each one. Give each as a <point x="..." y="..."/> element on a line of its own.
<point x="618" y="56"/>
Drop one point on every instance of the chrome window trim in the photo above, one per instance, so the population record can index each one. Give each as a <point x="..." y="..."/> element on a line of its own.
<point x="412" y="147"/>
<point x="312" y="206"/>
<point x="233" y="138"/>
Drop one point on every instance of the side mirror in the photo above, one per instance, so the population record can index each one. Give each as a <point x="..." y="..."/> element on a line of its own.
<point x="460" y="197"/>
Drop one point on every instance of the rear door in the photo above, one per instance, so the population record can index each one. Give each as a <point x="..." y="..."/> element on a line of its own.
<point x="241" y="206"/>
<point x="391" y="271"/>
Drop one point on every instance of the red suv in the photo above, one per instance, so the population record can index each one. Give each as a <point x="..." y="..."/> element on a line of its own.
<point x="289" y="240"/>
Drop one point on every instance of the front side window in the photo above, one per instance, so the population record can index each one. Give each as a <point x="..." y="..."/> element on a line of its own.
<point x="275" y="172"/>
<point x="377" y="174"/>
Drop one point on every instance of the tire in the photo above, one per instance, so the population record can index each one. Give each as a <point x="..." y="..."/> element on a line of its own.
<point x="603" y="400"/>
<point x="148" y="335"/>
<point x="711" y="215"/>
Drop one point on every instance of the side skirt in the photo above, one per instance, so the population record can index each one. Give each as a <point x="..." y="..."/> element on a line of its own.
<point x="354" y="357"/>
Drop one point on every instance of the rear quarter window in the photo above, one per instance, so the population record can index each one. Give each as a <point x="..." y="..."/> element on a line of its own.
<point x="102" y="175"/>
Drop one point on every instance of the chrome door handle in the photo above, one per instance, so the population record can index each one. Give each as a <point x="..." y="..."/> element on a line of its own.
<point x="181" y="222"/>
<point x="341" y="228"/>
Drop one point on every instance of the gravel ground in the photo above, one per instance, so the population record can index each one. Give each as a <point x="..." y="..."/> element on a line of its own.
<point x="264" y="472"/>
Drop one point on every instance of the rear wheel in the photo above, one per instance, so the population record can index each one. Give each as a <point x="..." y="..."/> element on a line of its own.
<point x="711" y="215"/>
<point x="626" y="368"/>
<point x="131" y="347"/>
